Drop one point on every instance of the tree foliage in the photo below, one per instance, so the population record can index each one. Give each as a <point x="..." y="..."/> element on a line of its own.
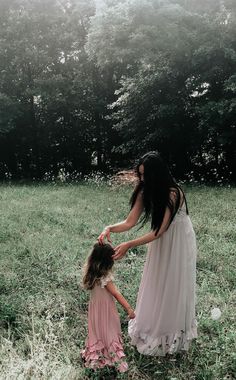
<point x="80" y="86"/>
<point x="179" y="96"/>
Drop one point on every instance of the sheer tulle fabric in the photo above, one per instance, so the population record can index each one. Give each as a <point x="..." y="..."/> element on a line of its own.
<point x="165" y="310"/>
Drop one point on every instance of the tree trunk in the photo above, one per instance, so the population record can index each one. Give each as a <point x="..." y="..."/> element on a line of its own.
<point x="98" y="127"/>
<point x="33" y="123"/>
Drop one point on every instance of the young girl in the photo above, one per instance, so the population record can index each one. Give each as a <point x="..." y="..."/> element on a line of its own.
<point x="104" y="342"/>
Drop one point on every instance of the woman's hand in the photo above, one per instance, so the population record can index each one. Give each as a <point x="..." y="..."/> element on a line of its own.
<point x="104" y="235"/>
<point x="121" y="250"/>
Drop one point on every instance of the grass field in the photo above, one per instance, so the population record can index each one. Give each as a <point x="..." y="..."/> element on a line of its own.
<point x="46" y="232"/>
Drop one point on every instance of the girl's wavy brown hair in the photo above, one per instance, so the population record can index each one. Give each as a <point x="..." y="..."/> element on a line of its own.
<point x="99" y="263"/>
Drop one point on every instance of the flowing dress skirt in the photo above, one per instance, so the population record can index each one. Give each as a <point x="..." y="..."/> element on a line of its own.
<point x="104" y="342"/>
<point x="165" y="310"/>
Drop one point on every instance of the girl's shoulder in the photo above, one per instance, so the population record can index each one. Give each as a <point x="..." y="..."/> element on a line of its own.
<point x="105" y="279"/>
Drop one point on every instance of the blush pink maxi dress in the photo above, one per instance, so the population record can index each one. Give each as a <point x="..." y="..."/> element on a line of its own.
<point x="104" y="342"/>
<point x="165" y="310"/>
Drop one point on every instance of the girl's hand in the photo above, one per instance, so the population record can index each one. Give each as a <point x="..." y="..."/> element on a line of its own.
<point x="121" y="250"/>
<point x="104" y="235"/>
<point x="131" y="313"/>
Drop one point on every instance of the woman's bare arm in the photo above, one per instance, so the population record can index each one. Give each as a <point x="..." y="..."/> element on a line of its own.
<point x="126" y="224"/>
<point x="150" y="236"/>
<point x="122" y="248"/>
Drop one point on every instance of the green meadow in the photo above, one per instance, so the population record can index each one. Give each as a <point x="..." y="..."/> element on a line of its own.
<point x="46" y="232"/>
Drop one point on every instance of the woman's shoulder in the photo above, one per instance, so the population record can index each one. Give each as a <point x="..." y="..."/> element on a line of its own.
<point x="177" y="193"/>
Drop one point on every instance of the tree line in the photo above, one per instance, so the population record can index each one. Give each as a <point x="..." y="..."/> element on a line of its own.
<point x="87" y="86"/>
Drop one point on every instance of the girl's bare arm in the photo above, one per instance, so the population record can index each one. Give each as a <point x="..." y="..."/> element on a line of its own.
<point x="122" y="301"/>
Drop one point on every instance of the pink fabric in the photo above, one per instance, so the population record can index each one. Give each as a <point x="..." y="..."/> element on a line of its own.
<point x="104" y="342"/>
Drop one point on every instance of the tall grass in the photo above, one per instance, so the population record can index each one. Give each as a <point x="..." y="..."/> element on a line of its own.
<point x="46" y="232"/>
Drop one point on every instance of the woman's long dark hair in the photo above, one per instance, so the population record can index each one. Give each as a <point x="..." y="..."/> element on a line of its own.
<point x="99" y="263"/>
<point x="156" y="187"/>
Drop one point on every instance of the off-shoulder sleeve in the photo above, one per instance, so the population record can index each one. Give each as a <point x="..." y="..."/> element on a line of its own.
<point x="104" y="280"/>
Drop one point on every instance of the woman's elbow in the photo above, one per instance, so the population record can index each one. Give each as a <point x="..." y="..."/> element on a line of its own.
<point x="129" y="225"/>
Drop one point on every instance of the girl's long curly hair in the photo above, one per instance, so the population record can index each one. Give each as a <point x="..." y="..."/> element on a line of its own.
<point x="99" y="263"/>
<point x="156" y="188"/>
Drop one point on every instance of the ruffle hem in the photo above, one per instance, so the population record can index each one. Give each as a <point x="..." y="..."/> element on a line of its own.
<point x="165" y="344"/>
<point x="99" y="356"/>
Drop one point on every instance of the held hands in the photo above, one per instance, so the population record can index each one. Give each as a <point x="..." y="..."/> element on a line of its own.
<point x="131" y="313"/>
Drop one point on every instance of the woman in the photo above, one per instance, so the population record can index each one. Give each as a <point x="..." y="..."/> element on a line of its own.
<point x="165" y="310"/>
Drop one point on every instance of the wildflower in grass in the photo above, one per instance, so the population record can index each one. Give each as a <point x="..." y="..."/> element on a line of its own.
<point x="62" y="175"/>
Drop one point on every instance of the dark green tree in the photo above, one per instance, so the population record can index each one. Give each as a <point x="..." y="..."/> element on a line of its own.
<point x="177" y="89"/>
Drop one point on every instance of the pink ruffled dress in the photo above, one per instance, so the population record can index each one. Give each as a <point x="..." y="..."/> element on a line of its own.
<point x="104" y="342"/>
